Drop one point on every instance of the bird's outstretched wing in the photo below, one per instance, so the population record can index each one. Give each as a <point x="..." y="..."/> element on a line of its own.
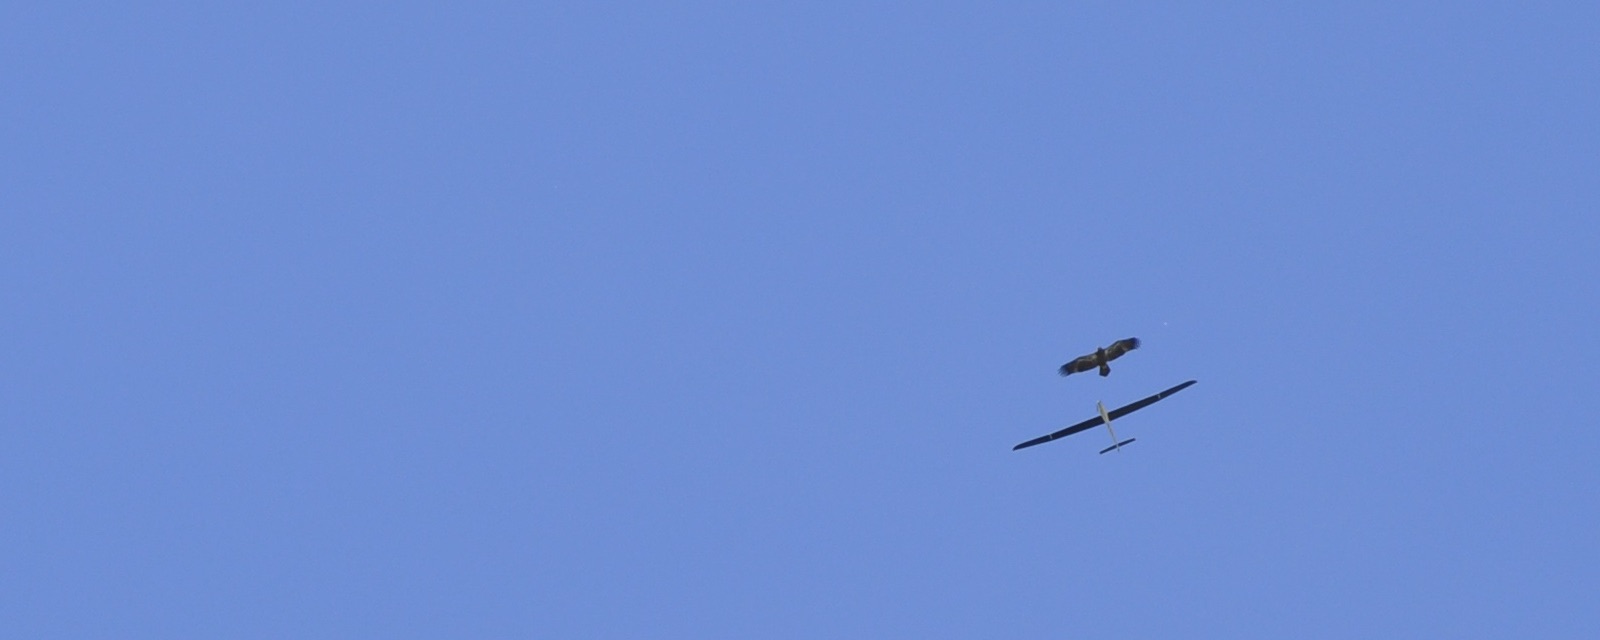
<point x="1079" y="365"/>
<point x="1097" y="420"/>
<point x="1120" y="347"/>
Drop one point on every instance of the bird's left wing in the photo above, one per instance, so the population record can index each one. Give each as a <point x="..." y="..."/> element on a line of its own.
<point x="1120" y="347"/>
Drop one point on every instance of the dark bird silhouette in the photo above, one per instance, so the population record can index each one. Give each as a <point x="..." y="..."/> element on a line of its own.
<point x="1100" y="358"/>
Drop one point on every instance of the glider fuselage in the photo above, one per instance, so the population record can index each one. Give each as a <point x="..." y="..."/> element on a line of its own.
<point x="1107" y="417"/>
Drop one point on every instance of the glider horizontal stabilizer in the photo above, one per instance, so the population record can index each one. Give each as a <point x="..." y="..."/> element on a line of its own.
<point x="1117" y="445"/>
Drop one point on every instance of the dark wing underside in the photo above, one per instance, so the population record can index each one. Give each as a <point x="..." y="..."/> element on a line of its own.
<point x="1120" y="347"/>
<point x="1085" y="363"/>
<point x="1097" y="421"/>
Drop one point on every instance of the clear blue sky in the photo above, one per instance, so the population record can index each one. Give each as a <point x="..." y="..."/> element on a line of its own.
<point x="715" y="320"/>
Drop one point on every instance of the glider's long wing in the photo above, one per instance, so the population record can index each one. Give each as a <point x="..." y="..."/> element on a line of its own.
<point x="1097" y="420"/>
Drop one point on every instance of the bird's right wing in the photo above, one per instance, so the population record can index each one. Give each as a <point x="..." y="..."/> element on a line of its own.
<point x="1079" y="365"/>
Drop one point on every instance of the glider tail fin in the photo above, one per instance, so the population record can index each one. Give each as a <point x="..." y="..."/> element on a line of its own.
<point x="1117" y="446"/>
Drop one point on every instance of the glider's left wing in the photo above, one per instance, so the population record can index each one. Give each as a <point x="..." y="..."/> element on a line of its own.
<point x="1097" y="420"/>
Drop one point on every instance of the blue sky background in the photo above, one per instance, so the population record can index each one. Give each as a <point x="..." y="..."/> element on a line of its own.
<point x="337" y="320"/>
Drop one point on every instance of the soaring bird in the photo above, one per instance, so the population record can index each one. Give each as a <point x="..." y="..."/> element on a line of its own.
<point x="1100" y="357"/>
